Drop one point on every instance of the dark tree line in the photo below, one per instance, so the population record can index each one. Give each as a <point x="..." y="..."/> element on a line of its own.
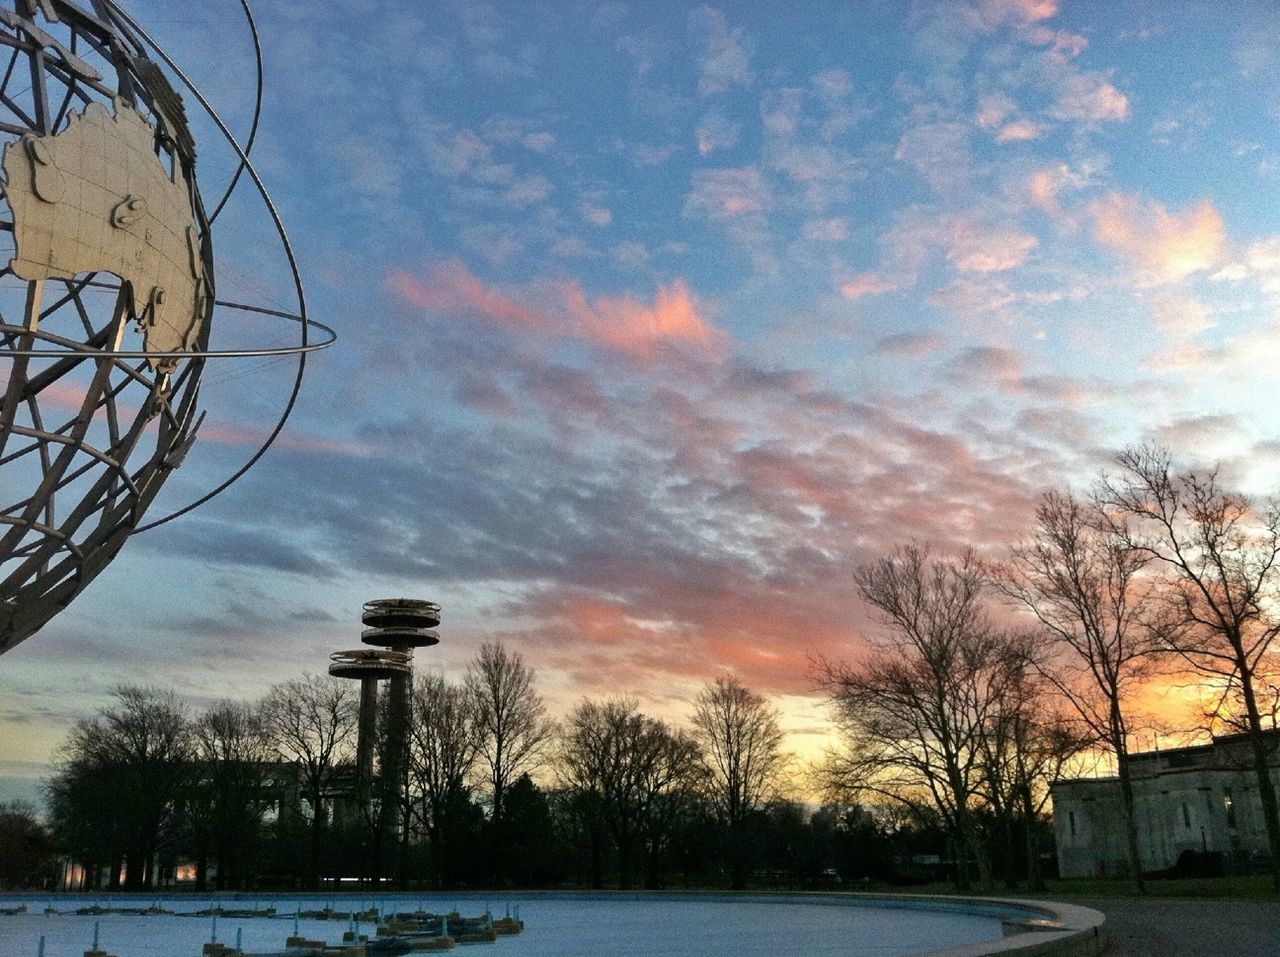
<point x="984" y="681"/>
<point x="267" y="793"/>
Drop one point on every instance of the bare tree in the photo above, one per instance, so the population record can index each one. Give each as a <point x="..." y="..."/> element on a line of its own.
<point x="672" y="785"/>
<point x="141" y="745"/>
<point x="630" y="763"/>
<point x="27" y="852"/>
<point x="312" y="722"/>
<point x="742" y="755"/>
<point x="1220" y="551"/>
<point x="582" y="767"/>
<point x="1081" y="575"/>
<point x="82" y="818"/>
<point x="1024" y="747"/>
<point x="913" y="712"/>
<point x="443" y="746"/>
<point x="231" y="749"/>
<point x="513" y="724"/>
<point x="1228" y="712"/>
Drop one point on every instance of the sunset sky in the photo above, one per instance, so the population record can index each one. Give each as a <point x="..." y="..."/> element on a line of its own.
<point x="658" y="319"/>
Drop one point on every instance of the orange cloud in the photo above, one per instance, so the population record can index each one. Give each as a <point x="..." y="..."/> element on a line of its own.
<point x="617" y="324"/>
<point x="638" y="330"/>
<point x="1165" y="246"/>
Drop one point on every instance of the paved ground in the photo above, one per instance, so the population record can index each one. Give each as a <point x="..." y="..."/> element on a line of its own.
<point x="1174" y="927"/>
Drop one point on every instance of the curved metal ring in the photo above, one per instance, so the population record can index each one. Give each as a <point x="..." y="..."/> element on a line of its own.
<point x="257" y="112"/>
<point x="246" y="166"/>
<point x="330" y="337"/>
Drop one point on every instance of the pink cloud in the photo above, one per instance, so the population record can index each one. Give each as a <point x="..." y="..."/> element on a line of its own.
<point x="1018" y="131"/>
<point x="290" y="438"/>
<point x="995" y="12"/>
<point x="729" y="193"/>
<point x="621" y="325"/>
<point x="538" y="142"/>
<point x="65" y="397"/>
<point x="449" y="287"/>
<point x="993" y="109"/>
<point x="638" y="330"/>
<point x="973" y="247"/>
<point x="866" y="284"/>
<point x="996" y="112"/>
<point x="967" y="298"/>
<point x="1165" y="246"/>
<point x="1044" y="185"/>
<point x="1089" y="98"/>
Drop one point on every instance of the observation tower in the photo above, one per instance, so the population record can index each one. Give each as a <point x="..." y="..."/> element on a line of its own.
<point x="395" y="626"/>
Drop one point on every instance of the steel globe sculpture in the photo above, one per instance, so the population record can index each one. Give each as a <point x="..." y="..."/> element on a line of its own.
<point x="107" y="295"/>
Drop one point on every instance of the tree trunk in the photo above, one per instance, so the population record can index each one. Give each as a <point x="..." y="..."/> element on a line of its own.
<point x="1031" y="840"/>
<point x="960" y="853"/>
<point x="738" y="856"/>
<point x="1121" y="749"/>
<point x="597" y="858"/>
<point x="653" y="856"/>
<point x="317" y="825"/>
<point x="963" y="835"/>
<point x="1261" y="768"/>
<point x="624" y="863"/>
<point x="983" y="856"/>
<point x="497" y="835"/>
<point x="1130" y="825"/>
<point x="1008" y="851"/>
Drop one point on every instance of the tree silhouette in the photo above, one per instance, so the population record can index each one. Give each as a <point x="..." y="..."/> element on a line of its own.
<point x="742" y="757"/>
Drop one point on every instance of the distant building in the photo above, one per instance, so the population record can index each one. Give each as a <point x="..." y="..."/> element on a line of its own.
<point x="1199" y="798"/>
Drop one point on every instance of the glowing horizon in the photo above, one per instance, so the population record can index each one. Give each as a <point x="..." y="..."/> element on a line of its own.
<point x="656" y="322"/>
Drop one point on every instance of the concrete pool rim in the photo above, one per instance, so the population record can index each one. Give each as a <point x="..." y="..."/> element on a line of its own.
<point x="1032" y="928"/>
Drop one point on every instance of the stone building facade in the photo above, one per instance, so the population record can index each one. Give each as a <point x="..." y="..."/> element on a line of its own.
<point x="1199" y="798"/>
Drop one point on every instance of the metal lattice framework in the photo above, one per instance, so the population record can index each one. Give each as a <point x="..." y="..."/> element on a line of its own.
<point x="94" y="418"/>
